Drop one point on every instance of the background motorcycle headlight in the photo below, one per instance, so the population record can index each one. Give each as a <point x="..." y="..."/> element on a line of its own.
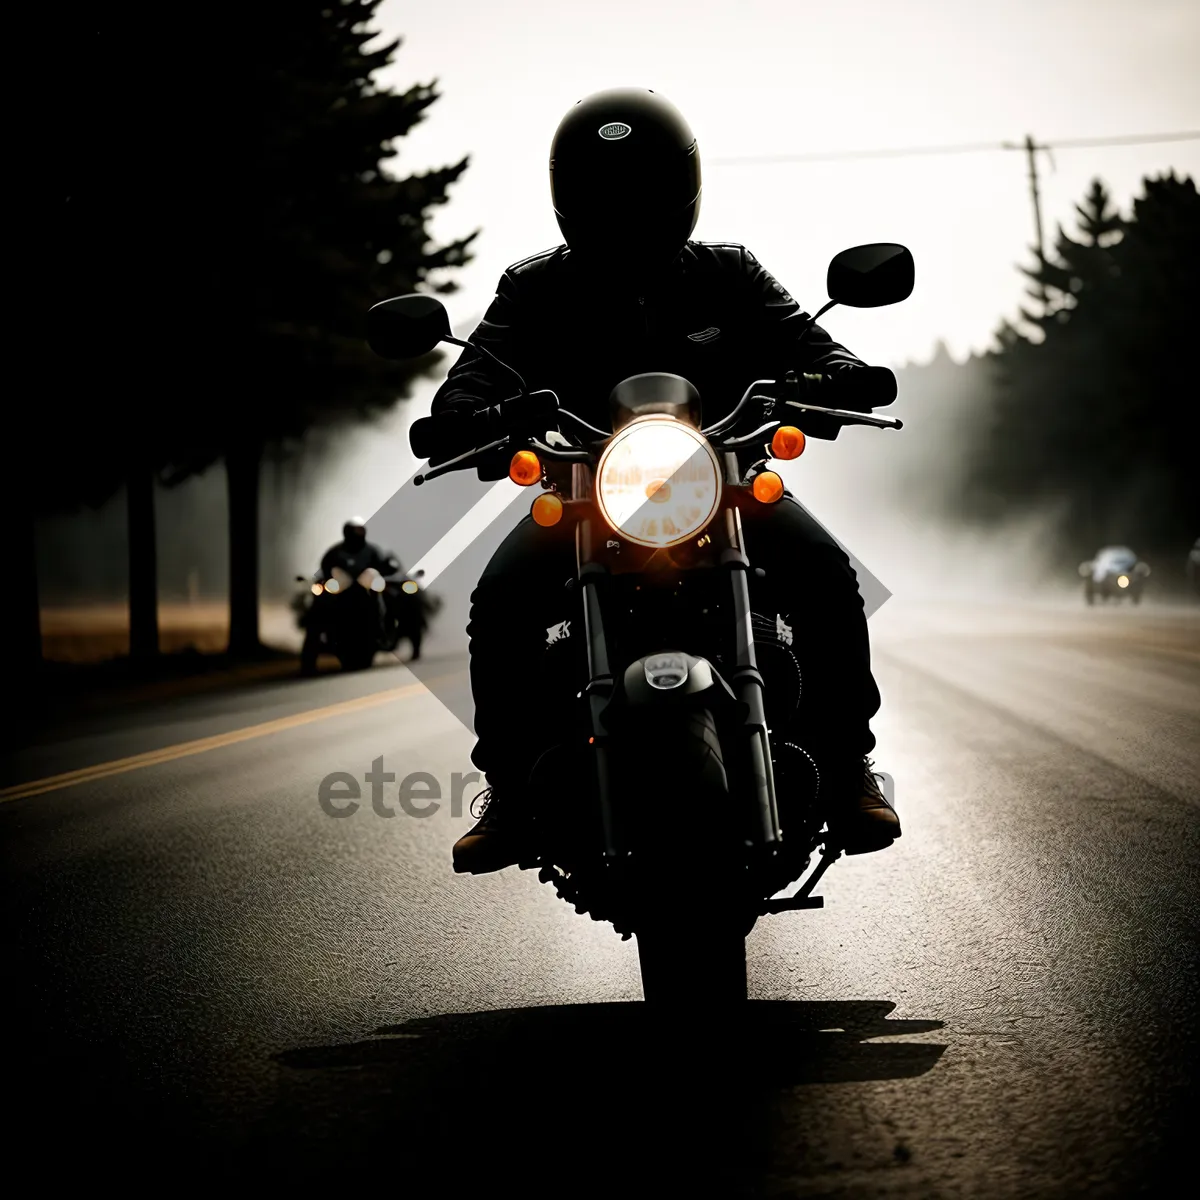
<point x="658" y="482"/>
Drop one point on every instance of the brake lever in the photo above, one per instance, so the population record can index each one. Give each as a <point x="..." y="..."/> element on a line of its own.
<point x="849" y="415"/>
<point x="463" y="460"/>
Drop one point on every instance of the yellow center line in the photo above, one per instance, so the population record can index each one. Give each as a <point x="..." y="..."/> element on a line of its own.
<point x="183" y="749"/>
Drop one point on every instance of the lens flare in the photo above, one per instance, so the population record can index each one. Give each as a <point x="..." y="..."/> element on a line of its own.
<point x="658" y="482"/>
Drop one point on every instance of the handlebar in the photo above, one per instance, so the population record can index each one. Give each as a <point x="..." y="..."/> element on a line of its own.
<point x="521" y="418"/>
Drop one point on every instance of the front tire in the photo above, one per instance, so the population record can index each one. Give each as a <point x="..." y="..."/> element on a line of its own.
<point x="696" y="968"/>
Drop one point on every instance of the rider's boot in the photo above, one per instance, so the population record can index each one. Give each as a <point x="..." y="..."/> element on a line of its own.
<point x="864" y="822"/>
<point x="494" y="841"/>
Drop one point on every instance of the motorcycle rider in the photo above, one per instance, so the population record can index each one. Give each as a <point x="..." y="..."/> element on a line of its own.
<point x="354" y="555"/>
<point x="629" y="293"/>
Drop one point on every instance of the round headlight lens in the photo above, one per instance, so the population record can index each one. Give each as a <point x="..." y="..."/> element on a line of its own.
<point x="658" y="482"/>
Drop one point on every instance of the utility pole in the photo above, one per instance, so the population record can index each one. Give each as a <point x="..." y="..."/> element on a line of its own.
<point x="1031" y="149"/>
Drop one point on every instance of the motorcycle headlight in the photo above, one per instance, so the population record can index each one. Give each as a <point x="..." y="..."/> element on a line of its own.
<point x="1122" y="580"/>
<point x="332" y="585"/>
<point x="317" y="589"/>
<point x="658" y="482"/>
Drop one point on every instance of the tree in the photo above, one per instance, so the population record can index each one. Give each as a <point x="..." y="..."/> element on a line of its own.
<point x="1093" y="422"/>
<point x="304" y="229"/>
<point x="1080" y="264"/>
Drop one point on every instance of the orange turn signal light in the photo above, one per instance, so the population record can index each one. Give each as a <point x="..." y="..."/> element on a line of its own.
<point x="767" y="487"/>
<point x="525" y="468"/>
<point x="547" y="509"/>
<point x="788" y="442"/>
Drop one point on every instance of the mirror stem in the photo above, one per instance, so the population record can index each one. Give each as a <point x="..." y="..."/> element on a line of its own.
<point x="488" y="354"/>
<point x="813" y="320"/>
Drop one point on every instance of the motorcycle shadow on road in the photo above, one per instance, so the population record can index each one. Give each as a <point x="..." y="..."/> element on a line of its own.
<point x="503" y="1093"/>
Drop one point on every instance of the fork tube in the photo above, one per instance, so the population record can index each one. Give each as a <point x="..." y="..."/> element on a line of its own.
<point x="747" y="683"/>
<point x="600" y="681"/>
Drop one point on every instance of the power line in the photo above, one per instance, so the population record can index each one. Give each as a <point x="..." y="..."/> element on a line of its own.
<point x="1029" y="146"/>
<point x="961" y="148"/>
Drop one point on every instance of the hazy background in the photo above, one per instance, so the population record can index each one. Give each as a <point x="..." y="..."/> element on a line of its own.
<point x="758" y="78"/>
<point x="785" y="77"/>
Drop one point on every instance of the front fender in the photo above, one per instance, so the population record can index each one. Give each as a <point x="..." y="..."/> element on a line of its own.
<point x="648" y="686"/>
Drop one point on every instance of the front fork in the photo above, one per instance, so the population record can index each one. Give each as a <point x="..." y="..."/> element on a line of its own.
<point x="762" y="832"/>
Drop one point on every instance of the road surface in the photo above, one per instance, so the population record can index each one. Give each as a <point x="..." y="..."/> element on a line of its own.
<point x="207" y="972"/>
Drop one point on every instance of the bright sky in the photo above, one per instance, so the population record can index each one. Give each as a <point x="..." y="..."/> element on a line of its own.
<point x="780" y="76"/>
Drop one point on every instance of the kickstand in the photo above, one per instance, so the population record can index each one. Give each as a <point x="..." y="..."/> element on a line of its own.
<point x="804" y="898"/>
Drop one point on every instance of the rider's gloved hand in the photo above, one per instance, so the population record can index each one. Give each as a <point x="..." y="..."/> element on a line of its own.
<point x="456" y="430"/>
<point x="443" y="437"/>
<point x="860" y="389"/>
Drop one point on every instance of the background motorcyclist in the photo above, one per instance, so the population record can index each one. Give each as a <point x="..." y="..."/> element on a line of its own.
<point x="630" y="293"/>
<point x="354" y="555"/>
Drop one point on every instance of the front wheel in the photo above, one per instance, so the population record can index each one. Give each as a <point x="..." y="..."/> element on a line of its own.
<point x="693" y="967"/>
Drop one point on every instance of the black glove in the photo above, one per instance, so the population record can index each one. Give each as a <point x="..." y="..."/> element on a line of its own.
<point x="859" y="388"/>
<point x="456" y="430"/>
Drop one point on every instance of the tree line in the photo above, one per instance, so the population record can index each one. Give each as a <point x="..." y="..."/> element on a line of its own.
<point x="214" y="209"/>
<point x="1086" y="413"/>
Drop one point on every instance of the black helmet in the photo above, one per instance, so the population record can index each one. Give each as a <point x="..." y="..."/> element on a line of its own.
<point x="625" y="179"/>
<point x="354" y="532"/>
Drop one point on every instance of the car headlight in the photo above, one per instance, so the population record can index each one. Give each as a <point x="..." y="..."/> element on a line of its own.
<point x="658" y="482"/>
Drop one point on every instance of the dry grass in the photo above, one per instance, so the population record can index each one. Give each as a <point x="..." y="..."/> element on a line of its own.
<point x="98" y="632"/>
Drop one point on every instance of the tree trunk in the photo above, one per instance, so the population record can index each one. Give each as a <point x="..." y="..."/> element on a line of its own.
<point x="143" y="565"/>
<point x="21" y="610"/>
<point x="242" y="467"/>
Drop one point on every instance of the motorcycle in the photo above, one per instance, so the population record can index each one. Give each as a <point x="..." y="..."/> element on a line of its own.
<point x="674" y="708"/>
<point x="1114" y="573"/>
<point x="408" y="609"/>
<point x="355" y="617"/>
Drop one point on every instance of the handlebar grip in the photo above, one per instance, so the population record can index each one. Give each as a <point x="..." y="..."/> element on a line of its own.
<point x="455" y="431"/>
<point x="862" y="388"/>
<point x="441" y="437"/>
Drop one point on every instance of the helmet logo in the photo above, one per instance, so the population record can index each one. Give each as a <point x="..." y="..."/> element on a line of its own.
<point x="614" y="130"/>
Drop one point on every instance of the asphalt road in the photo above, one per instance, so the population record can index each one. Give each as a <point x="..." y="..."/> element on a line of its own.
<point x="206" y="972"/>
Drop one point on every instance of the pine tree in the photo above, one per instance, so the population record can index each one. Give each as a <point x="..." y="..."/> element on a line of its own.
<point x="1080" y="263"/>
<point x="331" y="231"/>
<point x="1096" y="421"/>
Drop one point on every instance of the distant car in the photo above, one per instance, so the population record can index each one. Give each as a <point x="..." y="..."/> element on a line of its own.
<point x="1193" y="567"/>
<point x="1115" y="572"/>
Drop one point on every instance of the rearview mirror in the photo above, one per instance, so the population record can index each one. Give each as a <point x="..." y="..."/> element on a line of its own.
<point x="871" y="276"/>
<point x="407" y="326"/>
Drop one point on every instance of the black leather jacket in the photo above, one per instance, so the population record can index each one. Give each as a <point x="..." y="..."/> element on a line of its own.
<point x="354" y="561"/>
<point x="716" y="317"/>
